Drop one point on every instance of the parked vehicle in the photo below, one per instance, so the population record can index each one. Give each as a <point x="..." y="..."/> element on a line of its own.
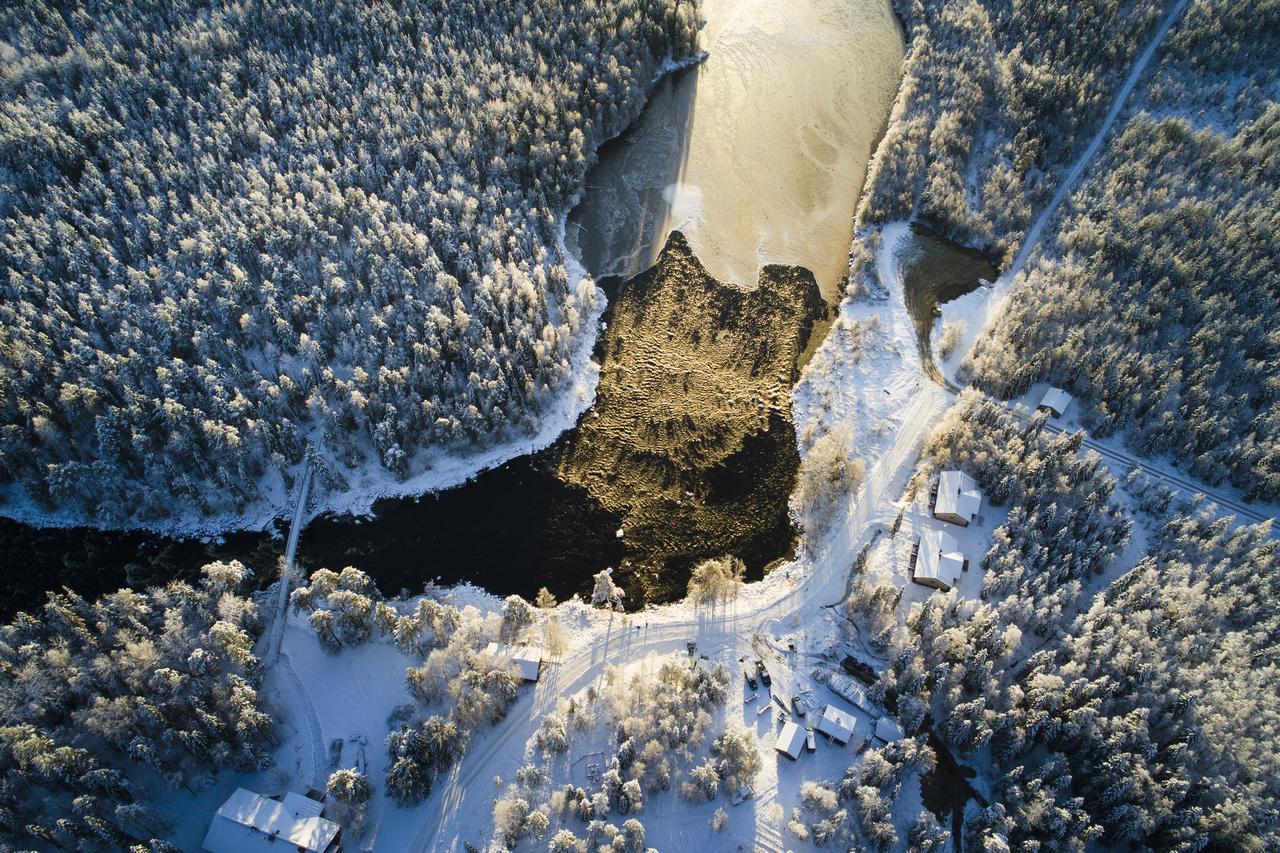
<point x="749" y="674"/>
<point x="810" y="742"/>
<point x="859" y="670"/>
<point x="764" y="673"/>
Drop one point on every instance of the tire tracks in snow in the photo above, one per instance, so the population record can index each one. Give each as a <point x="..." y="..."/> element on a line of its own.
<point x="314" y="730"/>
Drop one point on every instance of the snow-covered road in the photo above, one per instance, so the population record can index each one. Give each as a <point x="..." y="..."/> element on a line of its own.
<point x="1087" y="155"/>
<point x="822" y="583"/>
<point x="1120" y="462"/>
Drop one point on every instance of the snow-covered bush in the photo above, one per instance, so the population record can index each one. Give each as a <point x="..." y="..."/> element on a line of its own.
<point x="419" y="752"/>
<point x="828" y="472"/>
<point x="818" y="797"/>
<point x="926" y="836"/>
<point x="716" y="581"/>
<point x="348" y="786"/>
<point x="951" y="334"/>
<point x="605" y="592"/>
<point x="875" y="818"/>
<point x="349" y="791"/>
<point x="510" y="819"/>
<point x="517" y="614"/>
<point x="565" y="841"/>
<point x="552" y="737"/>
<point x="703" y="784"/>
<point x="739" y="753"/>
<point x="346" y="608"/>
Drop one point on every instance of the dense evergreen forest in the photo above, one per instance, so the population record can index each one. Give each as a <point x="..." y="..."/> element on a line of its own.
<point x="104" y="703"/>
<point x="1152" y="294"/>
<point x="1149" y="718"/>
<point x="1156" y="300"/>
<point x="996" y="99"/>
<point x="236" y="231"/>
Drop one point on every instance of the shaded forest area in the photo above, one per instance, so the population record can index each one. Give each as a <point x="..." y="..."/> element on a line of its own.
<point x="107" y="702"/>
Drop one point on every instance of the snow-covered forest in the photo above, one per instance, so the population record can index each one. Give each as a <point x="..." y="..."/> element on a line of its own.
<point x="1149" y="717"/>
<point x="996" y="99"/>
<point x="1155" y="300"/>
<point x="236" y="231"/>
<point x="106" y="705"/>
<point x="1150" y="298"/>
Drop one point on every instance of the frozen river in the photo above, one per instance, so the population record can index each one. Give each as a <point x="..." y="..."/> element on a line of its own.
<point x="758" y="154"/>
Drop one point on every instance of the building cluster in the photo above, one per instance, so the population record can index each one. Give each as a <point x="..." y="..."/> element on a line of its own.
<point x="936" y="559"/>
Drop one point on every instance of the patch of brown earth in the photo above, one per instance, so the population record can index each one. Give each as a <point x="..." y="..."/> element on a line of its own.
<point x="690" y="439"/>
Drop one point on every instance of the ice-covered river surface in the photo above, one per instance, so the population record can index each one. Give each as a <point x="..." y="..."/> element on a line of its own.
<point x="759" y="153"/>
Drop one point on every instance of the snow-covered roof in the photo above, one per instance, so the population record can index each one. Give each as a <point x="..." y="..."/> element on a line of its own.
<point x="837" y="724"/>
<point x="958" y="495"/>
<point x="888" y="730"/>
<point x="938" y="558"/>
<point x="790" y="740"/>
<point x="1056" y="400"/>
<point x="251" y="822"/>
<point x="526" y="658"/>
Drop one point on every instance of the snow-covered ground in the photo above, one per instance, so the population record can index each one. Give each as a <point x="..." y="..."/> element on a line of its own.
<point x="877" y="387"/>
<point x="866" y="375"/>
<point x="870" y="379"/>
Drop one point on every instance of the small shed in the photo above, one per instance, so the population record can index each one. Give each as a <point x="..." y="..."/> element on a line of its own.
<point x="790" y="740"/>
<point x="938" y="562"/>
<point x="527" y="659"/>
<point x="958" y="499"/>
<point x="841" y="727"/>
<point x="888" y="730"/>
<point x="1054" y="401"/>
<point x="249" y="822"/>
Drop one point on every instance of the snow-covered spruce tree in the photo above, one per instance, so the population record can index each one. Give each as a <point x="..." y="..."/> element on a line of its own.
<point x="349" y="791"/>
<point x="231" y="229"/>
<point x="417" y="754"/>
